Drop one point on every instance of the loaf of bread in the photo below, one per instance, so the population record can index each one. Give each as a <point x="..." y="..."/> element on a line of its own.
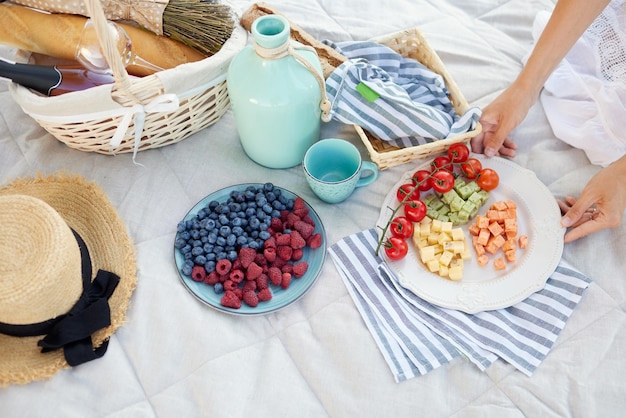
<point x="57" y="35"/>
<point x="329" y="58"/>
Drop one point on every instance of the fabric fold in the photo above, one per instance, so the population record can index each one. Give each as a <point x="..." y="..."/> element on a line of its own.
<point x="416" y="337"/>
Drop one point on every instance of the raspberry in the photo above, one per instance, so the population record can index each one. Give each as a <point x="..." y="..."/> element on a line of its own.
<point x="299" y="269"/>
<point x="287" y="268"/>
<point x="301" y="213"/>
<point x="284" y="252"/>
<point x="264" y="295"/>
<point x="238" y="293"/>
<point x="305" y="229"/>
<point x="276" y="224"/>
<point x="253" y="271"/>
<point x="236" y="265"/>
<point x="297" y="254"/>
<point x="249" y="285"/>
<point x="250" y="298"/>
<point x="279" y="262"/>
<point x="212" y="278"/>
<point x="315" y="241"/>
<point x="270" y="243"/>
<point x="230" y="300"/>
<point x="283" y="239"/>
<point x="261" y="282"/>
<point x="292" y="218"/>
<point x="246" y="256"/>
<point x="286" y="280"/>
<point x="260" y="260"/>
<point x="223" y="266"/>
<point x="275" y="275"/>
<point x="270" y="254"/>
<point x="299" y="203"/>
<point x="307" y="219"/>
<point x="236" y="276"/>
<point x="230" y="285"/>
<point x="198" y="273"/>
<point x="297" y="241"/>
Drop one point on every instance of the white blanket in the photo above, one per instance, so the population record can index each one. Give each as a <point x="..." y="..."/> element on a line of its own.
<point x="316" y="358"/>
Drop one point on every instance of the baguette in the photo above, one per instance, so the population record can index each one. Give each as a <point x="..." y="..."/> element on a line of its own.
<point x="329" y="58"/>
<point x="57" y="35"/>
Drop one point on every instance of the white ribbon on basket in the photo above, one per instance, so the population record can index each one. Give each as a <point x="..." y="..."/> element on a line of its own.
<point x="163" y="103"/>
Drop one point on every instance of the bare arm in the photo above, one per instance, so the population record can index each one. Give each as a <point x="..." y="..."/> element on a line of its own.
<point x="568" y="22"/>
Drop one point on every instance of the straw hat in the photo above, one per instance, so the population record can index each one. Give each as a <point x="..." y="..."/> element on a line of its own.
<point x="62" y="248"/>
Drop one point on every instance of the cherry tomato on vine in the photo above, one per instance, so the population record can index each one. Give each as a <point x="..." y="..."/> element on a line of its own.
<point x="396" y="248"/>
<point x="443" y="181"/>
<point x="415" y="210"/>
<point x="488" y="179"/>
<point x="423" y="180"/>
<point x="406" y="190"/>
<point x="458" y="152"/>
<point x="471" y="168"/>
<point x="442" y="162"/>
<point x="401" y="227"/>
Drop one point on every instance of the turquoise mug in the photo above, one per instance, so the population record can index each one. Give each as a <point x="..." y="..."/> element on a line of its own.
<point x="334" y="168"/>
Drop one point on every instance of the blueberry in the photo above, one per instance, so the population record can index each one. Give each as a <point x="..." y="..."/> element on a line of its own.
<point x="213" y="204"/>
<point x="237" y="231"/>
<point x="268" y="187"/>
<point x="186" y="249"/>
<point x="218" y="288"/>
<point x="208" y="248"/>
<point x="181" y="227"/>
<point x="224" y="220"/>
<point x="232" y="255"/>
<point x="231" y="240"/>
<point x="221" y="241"/>
<point x="200" y="260"/>
<point x="264" y="235"/>
<point x="180" y="243"/>
<point x="197" y="251"/>
<point x="186" y="270"/>
<point x="209" y="266"/>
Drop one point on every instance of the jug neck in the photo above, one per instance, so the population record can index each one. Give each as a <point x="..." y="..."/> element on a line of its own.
<point x="271" y="31"/>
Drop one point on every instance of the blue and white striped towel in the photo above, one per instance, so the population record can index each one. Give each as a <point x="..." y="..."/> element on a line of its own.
<point x="396" y="98"/>
<point x="416" y="337"/>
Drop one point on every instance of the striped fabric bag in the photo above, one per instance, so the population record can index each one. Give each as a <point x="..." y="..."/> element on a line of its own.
<point x="416" y="337"/>
<point x="398" y="99"/>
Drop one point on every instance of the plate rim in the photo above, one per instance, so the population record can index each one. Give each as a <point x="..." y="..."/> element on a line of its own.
<point x="256" y="311"/>
<point x="468" y="296"/>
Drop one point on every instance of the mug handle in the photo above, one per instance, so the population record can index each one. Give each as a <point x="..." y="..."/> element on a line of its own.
<point x="372" y="169"/>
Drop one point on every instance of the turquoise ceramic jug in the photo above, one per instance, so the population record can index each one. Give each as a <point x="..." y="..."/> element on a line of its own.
<point x="276" y="95"/>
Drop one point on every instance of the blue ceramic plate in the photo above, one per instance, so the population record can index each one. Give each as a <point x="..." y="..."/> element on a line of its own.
<point x="280" y="297"/>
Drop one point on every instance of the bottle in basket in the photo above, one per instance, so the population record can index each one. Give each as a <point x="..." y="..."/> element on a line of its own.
<point x="276" y="95"/>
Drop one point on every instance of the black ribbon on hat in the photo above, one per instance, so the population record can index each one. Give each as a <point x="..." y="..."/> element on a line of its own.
<point x="72" y="331"/>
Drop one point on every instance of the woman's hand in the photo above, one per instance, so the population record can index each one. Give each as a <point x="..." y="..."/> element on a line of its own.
<point x="500" y="117"/>
<point x="601" y="204"/>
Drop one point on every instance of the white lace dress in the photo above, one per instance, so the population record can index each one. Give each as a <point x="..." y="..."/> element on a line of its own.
<point x="585" y="98"/>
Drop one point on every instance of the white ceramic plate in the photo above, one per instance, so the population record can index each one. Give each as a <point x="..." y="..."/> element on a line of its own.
<point x="281" y="297"/>
<point x="484" y="288"/>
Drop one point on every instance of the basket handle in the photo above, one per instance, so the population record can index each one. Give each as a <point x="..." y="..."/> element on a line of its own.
<point x="126" y="91"/>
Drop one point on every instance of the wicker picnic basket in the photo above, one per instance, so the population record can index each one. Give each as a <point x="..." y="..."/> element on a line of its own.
<point x="411" y="43"/>
<point x="135" y="114"/>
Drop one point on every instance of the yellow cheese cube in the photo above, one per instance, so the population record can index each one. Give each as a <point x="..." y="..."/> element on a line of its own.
<point x="424" y="229"/>
<point x="445" y="258"/>
<point x="446" y="226"/>
<point x="443" y="271"/>
<point x="436" y="226"/>
<point x="455" y="273"/>
<point x="457" y="234"/>
<point x="427" y="253"/>
<point x="433" y="265"/>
